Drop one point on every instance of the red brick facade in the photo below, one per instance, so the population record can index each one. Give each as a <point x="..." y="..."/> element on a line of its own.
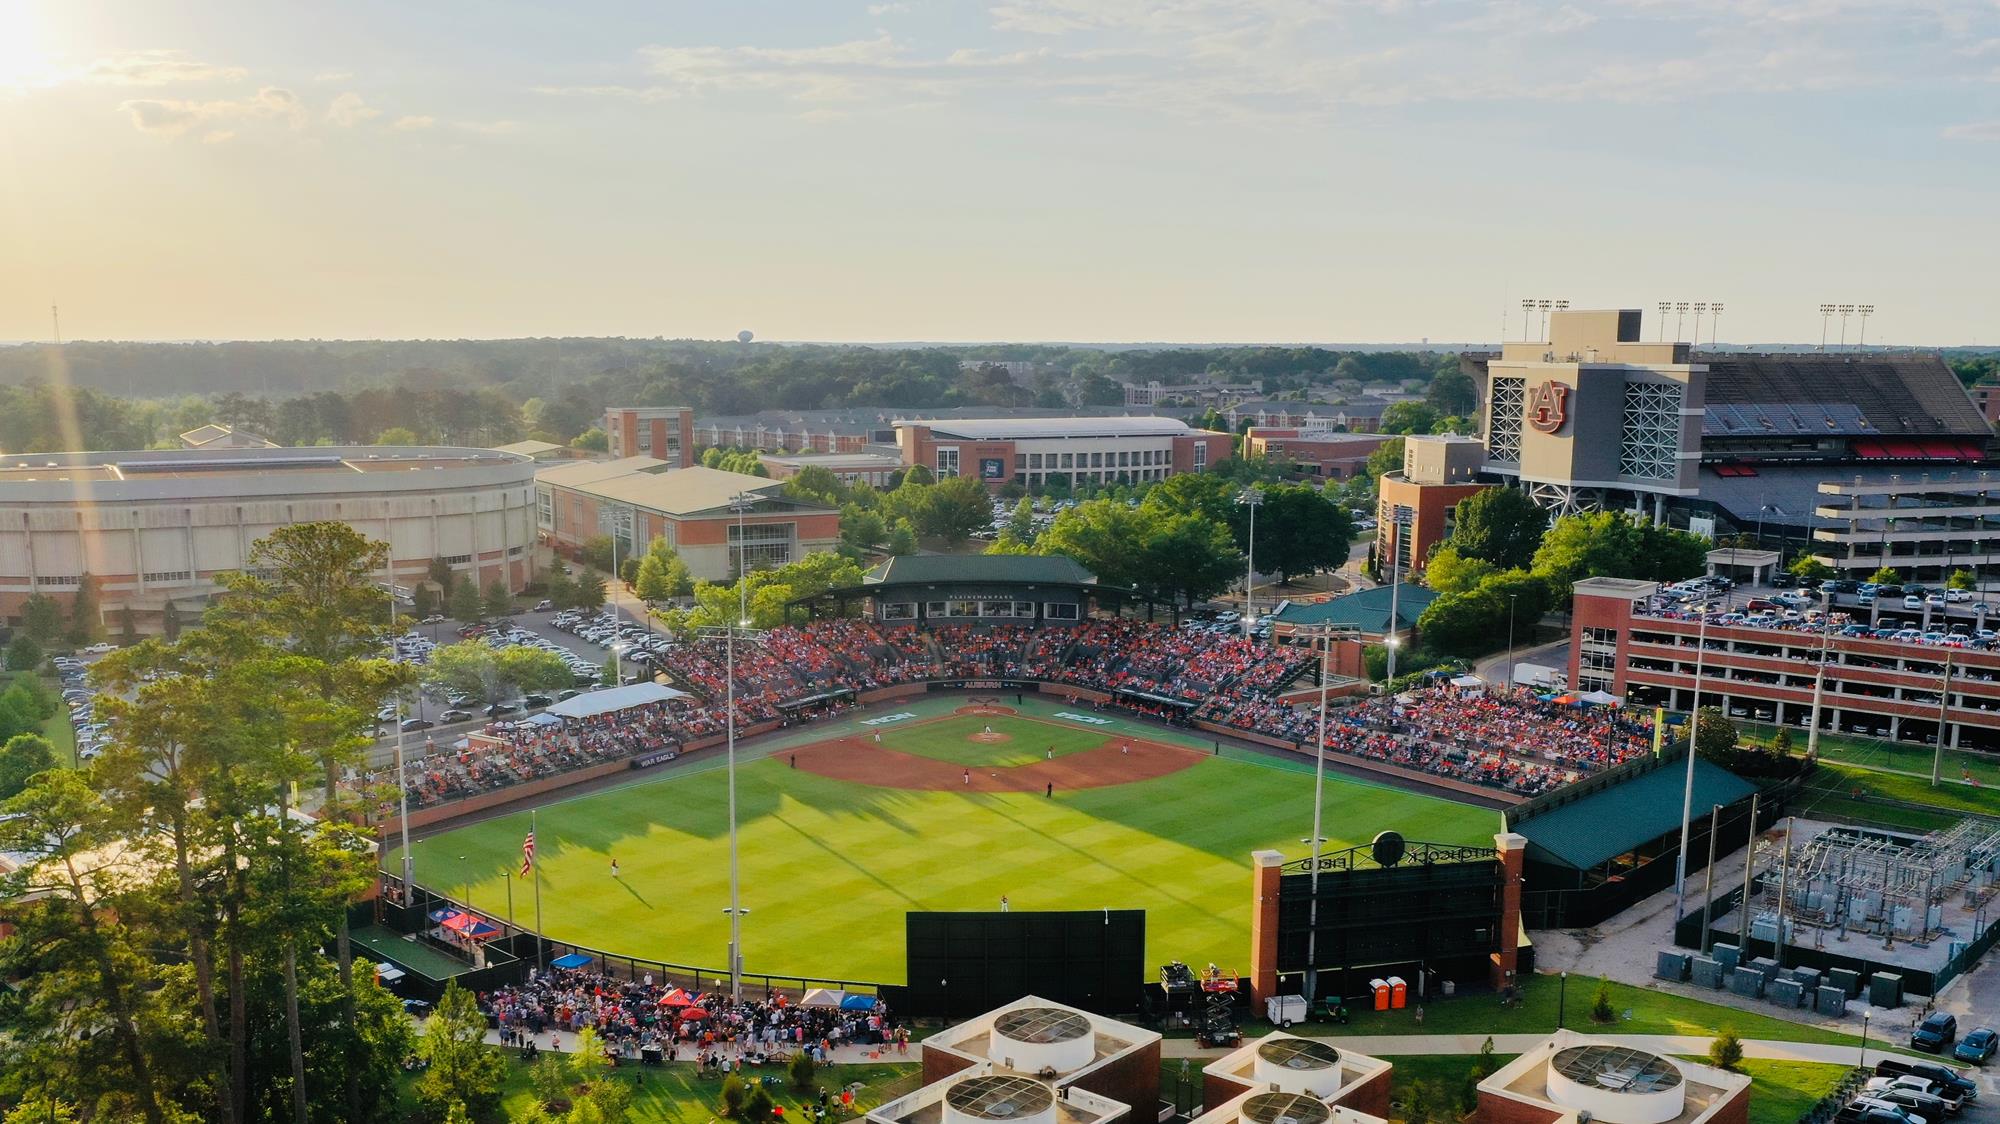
<point x="1431" y="506"/>
<point x="664" y="429"/>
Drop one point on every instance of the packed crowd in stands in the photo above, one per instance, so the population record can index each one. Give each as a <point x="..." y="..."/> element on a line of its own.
<point x="1512" y="741"/>
<point x="642" y="1019"/>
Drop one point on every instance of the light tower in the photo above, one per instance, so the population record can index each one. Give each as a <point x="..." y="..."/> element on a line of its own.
<point x="1714" y="320"/>
<point x="1680" y="317"/>
<point x="1665" y="307"/>
<point x="1825" y="315"/>
<point x="1846" y="310"/>
<point x="1864" y="310"/>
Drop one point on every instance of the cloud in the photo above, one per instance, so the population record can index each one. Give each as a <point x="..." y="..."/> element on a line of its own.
<point x="156" y="68"/>
<point x="1977" y="130"/>
<point x="348" y="110"/>
<point x="1295" y="61"/>
<point x="219" y="136"/>
<point x="414" y="122"/>
<point x="173" y="118"/>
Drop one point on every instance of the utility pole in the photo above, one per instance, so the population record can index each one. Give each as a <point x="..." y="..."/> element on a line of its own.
<point x="1687" y="794"/>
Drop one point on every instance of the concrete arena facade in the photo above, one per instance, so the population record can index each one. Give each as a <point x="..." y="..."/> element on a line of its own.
<point x="156" y="527"/>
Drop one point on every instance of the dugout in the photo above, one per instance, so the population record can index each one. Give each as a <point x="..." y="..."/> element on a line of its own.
<point x="1600" y="845"/>
<point x="967" y="589"/>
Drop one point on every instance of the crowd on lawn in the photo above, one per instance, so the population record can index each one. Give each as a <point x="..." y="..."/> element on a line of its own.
<point x="1513" y="740"/>
<point x="646" y="1020"/>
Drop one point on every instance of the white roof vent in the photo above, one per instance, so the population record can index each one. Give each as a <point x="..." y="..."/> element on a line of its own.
<point x="1000" y="1099"/>
<point x="1042" y="1040"/>
<point x="1284" y="1108"/>
<point x="1297" y="1065"/>
<point x="1617" y="1085"/>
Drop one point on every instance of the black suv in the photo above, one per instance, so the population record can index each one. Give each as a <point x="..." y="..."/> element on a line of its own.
<point x="1935" y="1034"/>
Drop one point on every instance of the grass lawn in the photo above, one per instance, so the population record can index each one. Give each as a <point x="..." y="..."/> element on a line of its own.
<point x="1781" y="1092"/>
<point x="677" y="1094"/>
<point x="950" y="739"/>
<point x="1444" y="1073"/>
<point x="1641" y="1011"/>
<point x="1878" y="753"/>
<point x="830" y="867"/>
<point x="56" y="728"/>
<point x="1833" y="787"/>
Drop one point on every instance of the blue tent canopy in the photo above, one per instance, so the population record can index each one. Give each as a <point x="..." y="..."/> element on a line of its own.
<point x="443" y="915"/>
<point x="573" y="960"/>
<point x="858" y="1003"/>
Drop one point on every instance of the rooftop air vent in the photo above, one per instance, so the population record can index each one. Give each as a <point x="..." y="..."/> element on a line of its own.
<point x="1000" y="1097"/>
<point x="1284" y="1108"/>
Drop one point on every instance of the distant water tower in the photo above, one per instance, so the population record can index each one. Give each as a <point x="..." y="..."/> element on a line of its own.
<point x="745" y="336"/>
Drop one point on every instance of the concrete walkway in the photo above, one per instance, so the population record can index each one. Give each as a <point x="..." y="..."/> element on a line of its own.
<point x="1389" y="1045"/>
<point x="564" y="1041"/>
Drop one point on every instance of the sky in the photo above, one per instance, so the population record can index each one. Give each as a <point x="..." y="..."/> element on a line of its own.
<point x="1084" y="170"/>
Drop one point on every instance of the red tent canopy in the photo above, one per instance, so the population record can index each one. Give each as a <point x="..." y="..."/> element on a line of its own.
<point x="676" y="998"/>
<point x="693" y="1013"/>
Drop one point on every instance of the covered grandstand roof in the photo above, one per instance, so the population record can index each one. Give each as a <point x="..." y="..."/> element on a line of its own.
<point x="593" y="703"/>
<point x="1841" y="394"/>
<point x="1603" y="821"/>
<point x="1366" y="611"/>
<point x="1053" y="569"/>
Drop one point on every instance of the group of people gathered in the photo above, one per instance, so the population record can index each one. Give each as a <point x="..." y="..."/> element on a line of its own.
<point x="1510" y="740"/>
<point x="646" y="1020"/>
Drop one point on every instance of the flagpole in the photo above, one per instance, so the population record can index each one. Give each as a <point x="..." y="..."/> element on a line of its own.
<point x="510" y="903"/>
<point x="535" y="868"/>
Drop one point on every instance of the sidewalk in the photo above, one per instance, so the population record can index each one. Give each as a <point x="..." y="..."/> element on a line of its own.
<point x="1389" y="1045"/>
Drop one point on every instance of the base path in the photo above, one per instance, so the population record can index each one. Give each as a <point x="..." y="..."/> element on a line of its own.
<point x="864" y="762"/>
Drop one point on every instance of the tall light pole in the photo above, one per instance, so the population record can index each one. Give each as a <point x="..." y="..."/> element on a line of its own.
<point x="1700" y="309"/>
<point x="1714" y="322"/>
<point x="1845" y="310"/>
<point x="1527" y="314"/>
<point x="1687" y="794"/>
<point x="1325" y="640"/>
<point x="1680" y="317"/>
<point x="1665" y="307"/>
<point x="1864" y="310"/>
<point x="740" y="504"/>
<point x="1252" y="498"/>
<point x="1944" y="716"/>
<point x="1404" y="517"/>
<point x="402" y="780"/>
<point x="1512" y="598"/>
<point x="1825" y="315"/>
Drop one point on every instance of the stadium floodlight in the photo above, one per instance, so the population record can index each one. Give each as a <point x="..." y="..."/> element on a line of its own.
<point x="1665" y="307"/>
<point x="1680" y="317"/>
<point x="1825" y="315"/>
<point x="1714" y="319"/>
<point x="1700" y="308"/>
<point x="1527" y="314"/>
<point x="1252" y="498"/>
<point x="740" y="503"/>
<point x="1846" y="310"/>
<point x="1864" y="310"/>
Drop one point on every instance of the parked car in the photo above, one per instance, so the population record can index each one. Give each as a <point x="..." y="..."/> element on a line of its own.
<point x="1935" y="1033"/>
<point x="1890" y="1108"/>
<point x="1977" y="1047"/>
<point x="101" y="648"/>
<point x="544" y="605"/>
<point x="455" y="716"/>
<point x="1950" y="1082"/>
<point x="1903" y="1091"/>
<point x="411" y="725"/>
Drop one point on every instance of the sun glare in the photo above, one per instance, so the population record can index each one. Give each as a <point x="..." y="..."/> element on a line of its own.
<point x="23" y="60"/>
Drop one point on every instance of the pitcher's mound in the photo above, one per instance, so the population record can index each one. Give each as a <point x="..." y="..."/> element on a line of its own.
<point x="988" y="737"/>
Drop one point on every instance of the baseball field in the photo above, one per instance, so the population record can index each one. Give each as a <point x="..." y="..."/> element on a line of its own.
<point x="933" y="804"/>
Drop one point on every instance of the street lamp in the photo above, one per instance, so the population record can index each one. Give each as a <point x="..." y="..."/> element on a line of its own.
<point x="1252" y="498"/>
<point x="1562" y="1001"/>
<point x="1867" y="1013"/>
<point x="1391" y="642"/>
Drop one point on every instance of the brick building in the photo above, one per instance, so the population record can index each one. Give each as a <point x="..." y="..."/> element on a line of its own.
<point x="1038" y="451"/>
<point x="636" y="500"/>
<point x="1323" y="453"/>
<point x="1438" y="474"/>
<point x="662" y="432"/>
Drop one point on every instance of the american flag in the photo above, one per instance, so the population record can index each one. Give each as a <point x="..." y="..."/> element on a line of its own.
<point x="528" y="855"/>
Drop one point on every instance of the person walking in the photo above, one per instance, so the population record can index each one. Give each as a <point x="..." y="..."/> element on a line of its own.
<point x="1003" y="903"/>
<point x="1052" y="753"/>
<point x="614" y="868"/>
<point x="1052" y="789"/>
<point x="795" y="760"/>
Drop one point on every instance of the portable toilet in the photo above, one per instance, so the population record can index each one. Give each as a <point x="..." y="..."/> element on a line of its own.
<point x="1398" y="992"/>
<point x="1381" y="989"/>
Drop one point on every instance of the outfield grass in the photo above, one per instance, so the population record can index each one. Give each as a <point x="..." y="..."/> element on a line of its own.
<point x="1885" y="755"/>
<point x="950" y="739"/>
<point x="678" y="1093"/>
<point x="829" y="867"/>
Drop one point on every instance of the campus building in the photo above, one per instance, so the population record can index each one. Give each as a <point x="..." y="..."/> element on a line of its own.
<point x="1574" y="1077"/>
<point x="1597" y="417"/>
<point x="858" y="429"/>
<point x="662" y="432"/>
<point x="1327" y="454"/>
<point x="848" y="468"/>
<point x="1415" y="506"/>
<point x="154" y="528"/>
<point x="1040" y="451"/>
<point x="635" y="500"/>
<point x="1886" y="688"/>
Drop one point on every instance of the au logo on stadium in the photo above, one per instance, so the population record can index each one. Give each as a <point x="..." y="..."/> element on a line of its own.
<point x="1548" y="406"/>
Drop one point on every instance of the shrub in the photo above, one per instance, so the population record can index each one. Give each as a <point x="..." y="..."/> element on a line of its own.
<point x="734" y="1094"/>
<point x="802" y="1068"/>
<point x="1726" y="1051"/>
<point x="1600" y="1004"/>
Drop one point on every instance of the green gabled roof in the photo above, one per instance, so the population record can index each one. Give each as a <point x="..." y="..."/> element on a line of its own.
<point x="913" y="569"/>
<point x="1619" y="817"/>
<point x="1367" y="611"/>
